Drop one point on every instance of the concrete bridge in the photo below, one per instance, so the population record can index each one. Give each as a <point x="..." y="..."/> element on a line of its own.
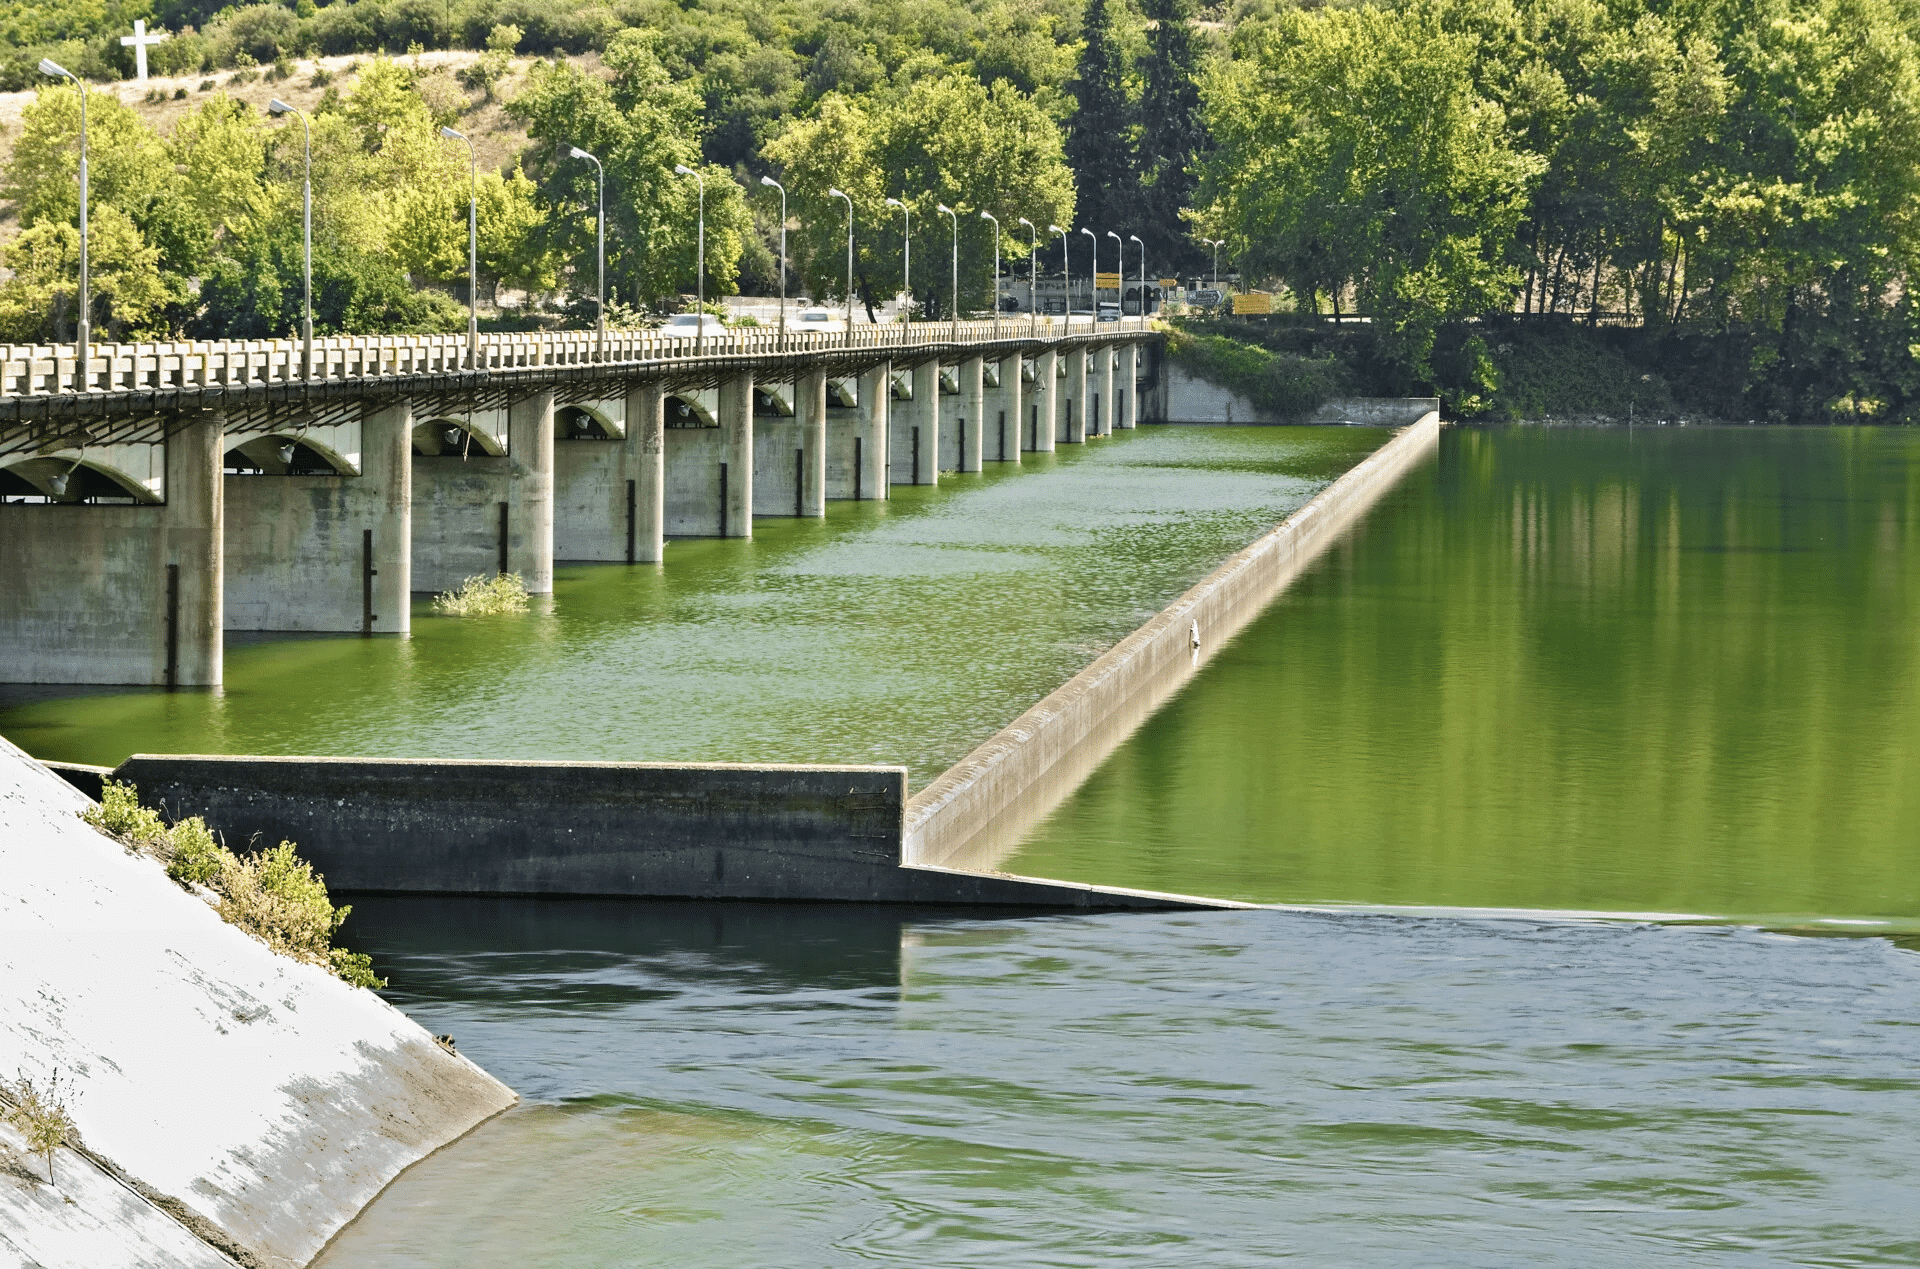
<point x="162" y="494"/>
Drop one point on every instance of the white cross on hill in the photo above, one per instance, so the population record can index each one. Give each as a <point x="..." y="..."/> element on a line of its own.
<point x="138" y="41"/>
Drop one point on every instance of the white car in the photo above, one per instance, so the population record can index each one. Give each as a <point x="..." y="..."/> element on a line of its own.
<point x="690" y="324"/>
<point x="816" y="319"/>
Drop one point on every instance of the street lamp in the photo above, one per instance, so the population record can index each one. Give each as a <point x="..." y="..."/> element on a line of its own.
<point x="473" y="251"/>
<point x="278" y="107"/>
<point x="600" y="244"/>
<point x="987" y="215"/>
<point x="1143" y="277"/>
<point x="83" y="329"/>
<point x="1033" y="276"/>
<point x="1066" y="277"/>
<point x="1216" y="244"/>
<point x="1096" y="282"/>
<point x="834" y="193"/>
<point x="942" y="207"/>
<point x="699" y="262"/>
<point x="769" y="181"/>
<point x="906" y="254"/>
<point x="1120" y="272"/>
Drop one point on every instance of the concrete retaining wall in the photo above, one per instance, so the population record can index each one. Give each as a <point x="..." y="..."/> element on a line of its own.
<point x="713" y="831"/>
<point x="1190" y="399"/>
<point x="265" y="1101"/>
<point x="974" y="814"/>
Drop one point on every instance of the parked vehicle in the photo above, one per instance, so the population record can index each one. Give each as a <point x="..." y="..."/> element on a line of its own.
<point x="818" y="319"/>
<point x="691" y="324"/>
<point x="1109" y="311"/>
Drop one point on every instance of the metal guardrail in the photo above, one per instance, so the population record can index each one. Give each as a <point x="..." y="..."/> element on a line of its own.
<point x="28" y="371"/>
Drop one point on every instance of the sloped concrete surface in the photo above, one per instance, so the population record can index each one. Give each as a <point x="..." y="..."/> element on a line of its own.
<point x="264" y="1095"/>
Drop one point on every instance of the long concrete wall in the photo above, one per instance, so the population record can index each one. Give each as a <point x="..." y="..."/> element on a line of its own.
<point x="1190" y="399"/>
<point x="975" y="813"/>
<point x="227" y="1096"/>
<point x="714" y="831"/>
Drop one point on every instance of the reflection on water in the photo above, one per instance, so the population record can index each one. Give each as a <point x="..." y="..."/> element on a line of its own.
<point x="733" y="1085"/>
<point x="1654" y="671"/>
<point x="895" y="632"/>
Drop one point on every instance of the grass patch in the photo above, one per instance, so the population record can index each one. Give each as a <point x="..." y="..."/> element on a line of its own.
<point x="1290" y="384"/>
<point x="274" y="895"/>
<point x="484" y="595"/>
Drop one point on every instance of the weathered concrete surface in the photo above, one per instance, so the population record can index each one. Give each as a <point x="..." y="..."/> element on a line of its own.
<point x="975" y="813"/>
<point x="85" y="595"/>
<point x="296" y="546"/>
<point x="263" y="1095"/>
<point x="1191" y="399"/>
<point x="680" y="830"/>
<point x="86" y="1219"/>
<point x="457" y="500"/>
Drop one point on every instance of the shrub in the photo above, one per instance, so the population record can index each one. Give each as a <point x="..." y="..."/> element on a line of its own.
<point x="273" y="895"/>
<point x="40" y="1115"/>
<point x="483" y="596"/>
<point x="1287" y="383"/>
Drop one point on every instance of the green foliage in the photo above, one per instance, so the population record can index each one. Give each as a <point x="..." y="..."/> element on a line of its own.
<point x="39" y="1113"/>
<point x="1353" y="156"/>
<point x="119" y="814"/>
<point x="1287" y="383"/>
<point x="274" y="895"/>
<point x="484" y="595"/>
<point x="1100" y="141"/>
<point x="940" y="138"/>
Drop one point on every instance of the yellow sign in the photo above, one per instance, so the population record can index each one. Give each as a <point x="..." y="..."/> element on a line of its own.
<point x="1167" y="284"/>
<point x="1253" y="302"/>
<point x="1107" y="281"/>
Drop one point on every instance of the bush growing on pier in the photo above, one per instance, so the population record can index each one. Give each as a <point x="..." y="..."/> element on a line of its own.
<point x="484" y="595"/>
<point x="273" y="895"/>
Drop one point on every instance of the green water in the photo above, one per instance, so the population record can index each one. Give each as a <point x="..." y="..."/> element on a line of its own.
<point x="1667" y="670"/>
<point x="904" y="631"/>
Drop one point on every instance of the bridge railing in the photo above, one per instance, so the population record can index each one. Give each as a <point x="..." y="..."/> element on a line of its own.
<point x="49" y="369"/>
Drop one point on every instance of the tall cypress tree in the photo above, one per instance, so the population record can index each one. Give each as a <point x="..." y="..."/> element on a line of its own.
<point x="1172" y="134"/>
<point x="1100" y="140"/>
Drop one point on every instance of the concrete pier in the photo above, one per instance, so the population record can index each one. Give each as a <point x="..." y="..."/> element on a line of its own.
<point x="915" y="434"/>
<point x="736" y="446"/>
<point x="1005" y="414"/>
<point x="476" y="513"/>
<point x="607" y="480"/>
<point x="1070" y="424"/>
<point x="810" y="403"/>
<point x="326" y="551"/>
<point x="1042" y="429"/>
<point x="1128" y="412"/>
<point x="121" y="594"/>
<point x="973" y="397"/>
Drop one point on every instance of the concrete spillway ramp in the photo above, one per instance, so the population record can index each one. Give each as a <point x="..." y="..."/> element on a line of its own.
<point x="227" y="1097"/>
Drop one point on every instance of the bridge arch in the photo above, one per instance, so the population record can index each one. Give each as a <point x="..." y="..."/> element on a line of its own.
<point x="72" y="478"/>
<point x="843" y="394"/>
<point x="456" y="438"/>
<point x="286" y="454"/>
<point x="584" y="422"/>
<point x="773" y="400"/>
<point x="686" y="409"/>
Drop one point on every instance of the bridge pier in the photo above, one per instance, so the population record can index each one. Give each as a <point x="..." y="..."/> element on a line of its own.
<point x="915" y="434"/>
<point x="1042" y="430"/>
<point x="875" y="430"/>
<point x="1126" y="412"/>
<point x="121" y="594"/>
<point x="1072" y="420"/>
<point x="973" y="405"/>
<point x="329" y="551"/>
<point x="1107" y="413"/>
<point x="810" y="404"/>
<point x="1003" y="417"/>
<point x="736" y="444"/>
<point x="478" y="514"/>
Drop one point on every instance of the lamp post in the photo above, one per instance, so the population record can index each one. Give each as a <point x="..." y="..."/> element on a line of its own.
<point x="834" y="193"/>
<point x="473" y="251"/>
<point x="83" y="329"/>
<point x="942" y="207"/>
<point x="1216" y="244"/>
<point x="769" y="181"/>
<point x="995" y="289"/>
<point x="1033" y="276"/>
<point x="1120" y="272"/>
<point x="1096" y="282"/>
<point x="906" y="254"/>
<point x="278" y="107"/>
<point x="1066" y="279"/>
<point x="699" y="261"/>
<point x="599" y="246"/>
<point x="1143" y="277"/>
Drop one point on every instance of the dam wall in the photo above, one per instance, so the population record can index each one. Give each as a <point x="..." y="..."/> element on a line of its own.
<point x="973" y="815"/>
<point x="233" y="1105"/>
<point x="636" y="829"/>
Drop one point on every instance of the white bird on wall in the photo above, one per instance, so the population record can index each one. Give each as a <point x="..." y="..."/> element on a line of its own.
<point x="1193" y="636"/>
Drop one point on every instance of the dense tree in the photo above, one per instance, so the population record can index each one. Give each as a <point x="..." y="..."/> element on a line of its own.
<point x="1172" y="132"/>
<point x="1355" y="160"/>
<point x="1101" y="145"/>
